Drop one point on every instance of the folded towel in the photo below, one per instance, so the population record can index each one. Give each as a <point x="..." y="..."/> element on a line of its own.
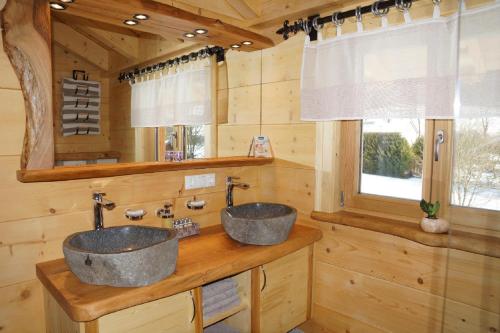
<point x="218" y="287"/>
<point x="222" y="304"/>
<point x="220" y="327"/>
<point x="219" y="297"/>
<point x="221" y="307"/>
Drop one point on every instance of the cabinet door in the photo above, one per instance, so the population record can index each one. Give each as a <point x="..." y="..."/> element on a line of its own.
<point x="284" y="292"/>
<point x="174" y="314"/>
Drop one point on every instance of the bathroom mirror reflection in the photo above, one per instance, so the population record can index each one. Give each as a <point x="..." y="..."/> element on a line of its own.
<point x="167" y="113"/>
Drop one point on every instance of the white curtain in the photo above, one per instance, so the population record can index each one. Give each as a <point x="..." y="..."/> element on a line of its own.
<point x="406" y="71"/>
<point x="181" y="96"/>
<point x="479" y="63"/>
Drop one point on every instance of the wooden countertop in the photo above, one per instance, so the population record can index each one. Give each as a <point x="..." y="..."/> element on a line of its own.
<point x="202" y="259"/>
<point x="459" y="240"/>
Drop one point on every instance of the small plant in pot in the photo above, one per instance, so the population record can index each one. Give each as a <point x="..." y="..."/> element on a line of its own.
<point x="431" y="223"/>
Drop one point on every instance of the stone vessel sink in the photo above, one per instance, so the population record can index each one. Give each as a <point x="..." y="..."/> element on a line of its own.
<point x="126" y="256"/>
<point x="259" y="223"/>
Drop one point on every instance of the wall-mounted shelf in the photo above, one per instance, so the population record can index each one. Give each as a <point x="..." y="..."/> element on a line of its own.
<point x="121" y="169"/>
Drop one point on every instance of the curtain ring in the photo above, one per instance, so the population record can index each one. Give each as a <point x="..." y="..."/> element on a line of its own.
<point x="315" y="24"/>
<point x="436" y="2"/>
<point x="335" y="19"/>
<point x="377" y="12"/>
<point x="402" y="6"/>
<point x="357" y="13"/>
<point x="305" y="27"/>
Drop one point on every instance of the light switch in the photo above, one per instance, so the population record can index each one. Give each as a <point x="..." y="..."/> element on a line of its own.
<point x="199" y="181"/>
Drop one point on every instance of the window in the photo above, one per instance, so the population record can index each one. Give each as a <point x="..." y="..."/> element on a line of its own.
<point x="476" y="164"/>
<point x="192" y="141"/>
<point x="392" y="158"/>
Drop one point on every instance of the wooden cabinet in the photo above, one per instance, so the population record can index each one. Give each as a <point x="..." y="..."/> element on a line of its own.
<point x="281" y="293"/>
<point x="175" y="314"/>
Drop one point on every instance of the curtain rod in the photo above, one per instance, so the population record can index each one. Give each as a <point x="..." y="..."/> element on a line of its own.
<point x="193" y="56"/>
<point x="378" y="8"/>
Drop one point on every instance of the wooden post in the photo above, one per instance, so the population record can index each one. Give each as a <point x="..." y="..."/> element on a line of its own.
<point x="27" y="42"/>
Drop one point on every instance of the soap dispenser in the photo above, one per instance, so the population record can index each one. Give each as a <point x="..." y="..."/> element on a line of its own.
<point x="166" y="215"/>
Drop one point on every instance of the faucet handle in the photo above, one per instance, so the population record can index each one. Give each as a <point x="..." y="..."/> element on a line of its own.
<point x="98" y="195"/>
<point x="230" y="178"/>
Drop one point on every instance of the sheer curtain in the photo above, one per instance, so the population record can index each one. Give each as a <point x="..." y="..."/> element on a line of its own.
<point x="181" y="96"/>
<point x="405" y="71"/>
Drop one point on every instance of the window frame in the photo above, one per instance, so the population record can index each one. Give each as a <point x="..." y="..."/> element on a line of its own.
<point x="351" y="175"/>
<point x="436" y="181"/>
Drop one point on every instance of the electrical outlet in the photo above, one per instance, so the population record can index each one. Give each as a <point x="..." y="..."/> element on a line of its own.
<point x="199" y="181"/>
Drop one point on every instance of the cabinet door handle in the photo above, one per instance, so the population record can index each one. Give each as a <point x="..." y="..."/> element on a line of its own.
<point x="265" y="279"/>
<point x="194" y="306"/>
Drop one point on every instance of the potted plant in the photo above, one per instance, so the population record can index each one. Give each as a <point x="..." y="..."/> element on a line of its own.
<point x="431" y="223"/>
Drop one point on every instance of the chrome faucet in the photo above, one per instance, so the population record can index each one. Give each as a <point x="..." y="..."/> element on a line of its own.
<point x="230" y="185"/>
<point x="100" y="202"/>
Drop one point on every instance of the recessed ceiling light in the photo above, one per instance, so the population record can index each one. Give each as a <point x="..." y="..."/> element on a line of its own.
<point x="141" y="16"/>
<point x="189" y="35"/>
<point x="247" y="42"/>
<point x="200" y="31"/>
<point x="67" y="1"/>
<point x="131" y="22"/>
<point x="57" y="6"/>
<point x="235" y="46"/>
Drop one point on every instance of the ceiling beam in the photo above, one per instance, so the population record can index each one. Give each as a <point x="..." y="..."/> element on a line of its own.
<point x="247" y="9"/>
<point x="165" y="20"/>
<point x="78" y="44"/>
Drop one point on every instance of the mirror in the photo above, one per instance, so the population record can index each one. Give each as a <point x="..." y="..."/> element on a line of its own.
<point x="98" y="45"/>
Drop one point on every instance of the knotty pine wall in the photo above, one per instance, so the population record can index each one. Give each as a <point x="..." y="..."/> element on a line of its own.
<point x="63" y="63"/>
<point x="35" y="218"/>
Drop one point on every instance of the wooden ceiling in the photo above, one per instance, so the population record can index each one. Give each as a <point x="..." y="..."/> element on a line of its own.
<point x="227" y="21"/>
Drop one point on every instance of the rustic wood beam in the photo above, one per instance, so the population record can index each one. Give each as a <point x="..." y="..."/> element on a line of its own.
<point x="27" y="41"/>
<point x="165" y="20"/>
<point x="78" y="44"/>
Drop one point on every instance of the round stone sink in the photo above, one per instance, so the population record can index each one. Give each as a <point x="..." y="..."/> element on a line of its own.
<point x="259" y="223"/>
<point x="126" y="256"/>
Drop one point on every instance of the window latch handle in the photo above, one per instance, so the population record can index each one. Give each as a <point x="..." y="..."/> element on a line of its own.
<point x="439" y="141"/>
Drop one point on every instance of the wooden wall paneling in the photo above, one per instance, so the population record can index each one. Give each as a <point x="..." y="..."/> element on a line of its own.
<point x="234" y="140"/>
<point x="73" y="41"/>
<point x="244" y="105"/>
<point x="383" y="256"/>
<point x="222" y="106"/>
<point x="473" y="279"/>
<point x="462" y="318"/>
<point x="243" y="68"/>
<point x="284" y="61"/>
<point x="281" y="102"/>
<point x="288" y="185"/>
<point x="13" y="121"/>
<point x="376" y="302"/>
<point x="27" y="42"/>
<point x="21" y="307"/>
<point x="294" y="143"/>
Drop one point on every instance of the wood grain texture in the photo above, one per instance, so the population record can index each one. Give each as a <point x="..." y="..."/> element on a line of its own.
<point x="202" y="259"/>
<point x="27" y="42"/>
<point x="166" y="20"/>
<point x="98" y="171"/>
<point x="460" y="240"/>
<point x="87" y="156"/>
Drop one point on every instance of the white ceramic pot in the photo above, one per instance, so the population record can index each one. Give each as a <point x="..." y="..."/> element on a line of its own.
<point x="435" y="226"/>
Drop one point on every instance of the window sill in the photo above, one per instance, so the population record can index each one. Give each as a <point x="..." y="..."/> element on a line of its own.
<point x="459" y="240"/>
<point x="121" y="169"/>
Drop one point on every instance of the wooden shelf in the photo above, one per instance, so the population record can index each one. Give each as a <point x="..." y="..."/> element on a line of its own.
<point x="224" y="314"/>
<point x="121" y="169"/>
<point x="87" y="156"/>
<point x="459" y="240"/>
